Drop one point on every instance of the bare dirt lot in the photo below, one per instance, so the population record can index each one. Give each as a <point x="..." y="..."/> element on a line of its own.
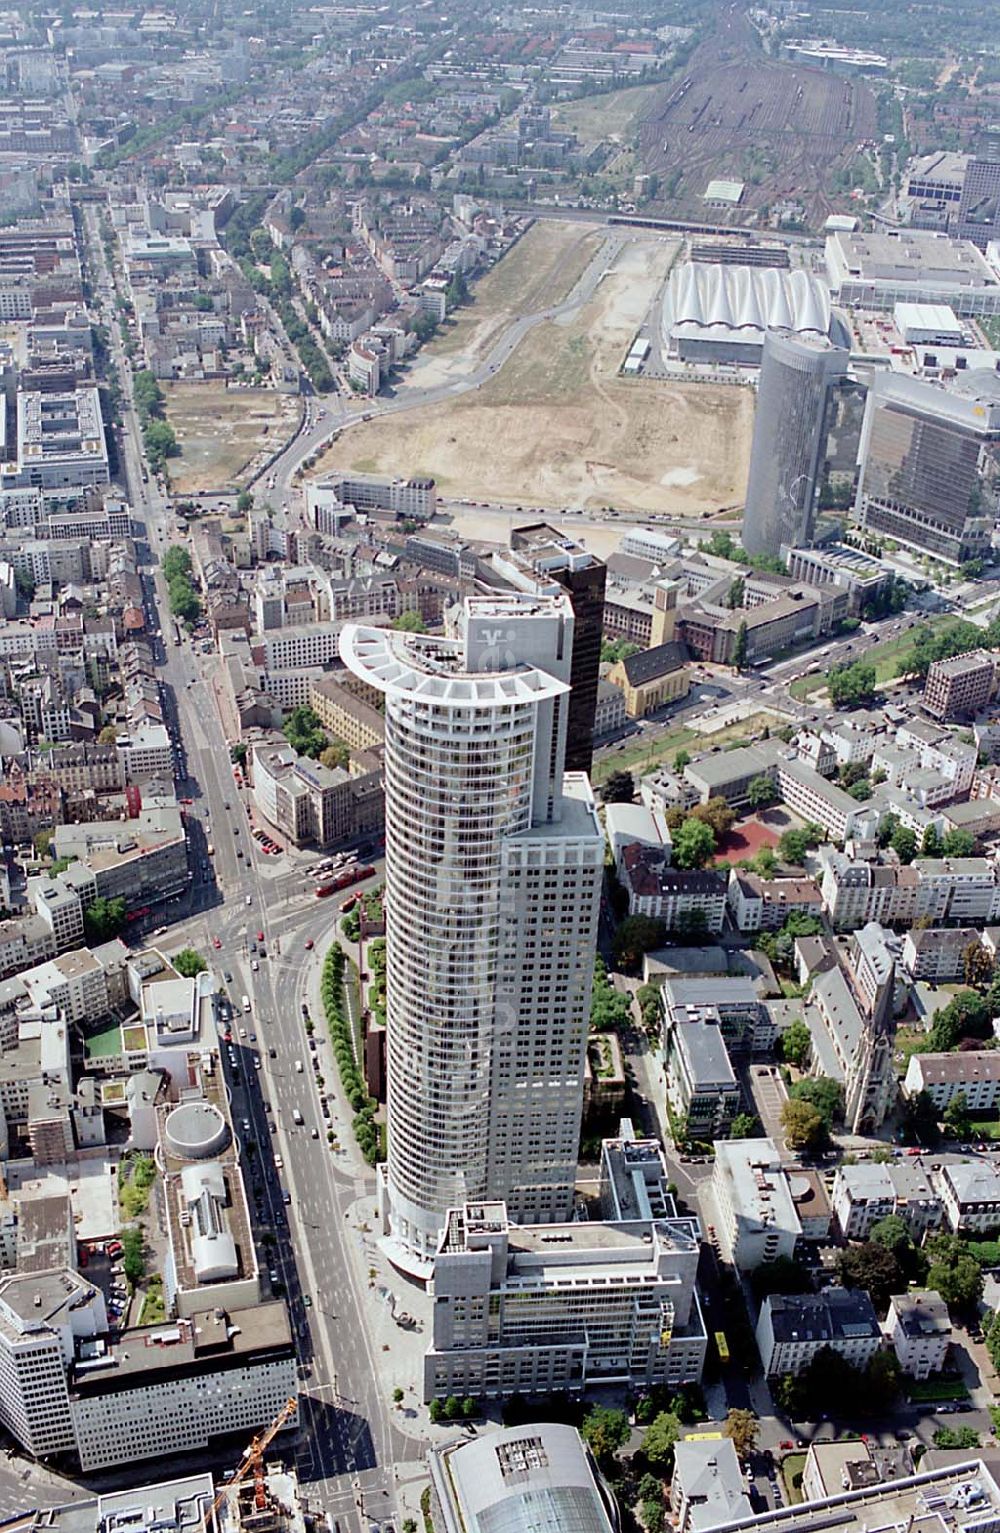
<point x="782" y="128"/>
<point x="556" y="426"/>
<point x="222" y="430"/>
<point x="539" y="271"/>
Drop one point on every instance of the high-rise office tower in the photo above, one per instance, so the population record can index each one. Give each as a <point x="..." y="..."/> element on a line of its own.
<point x="542" y="559"/>
<point x="978" y="214"/>
<point x="794" y="407"/>
<point x="493" y="873"/>
<point x="929" y="467"/>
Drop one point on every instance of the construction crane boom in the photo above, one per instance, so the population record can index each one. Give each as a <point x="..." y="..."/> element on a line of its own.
<point x="253" y="1461"/>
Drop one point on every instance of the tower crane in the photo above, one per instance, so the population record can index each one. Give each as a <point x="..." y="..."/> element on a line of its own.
<point x="253" y="1462"/>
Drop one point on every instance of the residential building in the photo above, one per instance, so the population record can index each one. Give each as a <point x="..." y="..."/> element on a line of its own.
<point x="937" y="954"/>
<point x="503" y="1475"/>
<point x="919" y="1330"/>
<point x="975" y="1073"/>
<point x="798" y="375"/>
<point x="707" y="1488"/>
<point x="651" y="678"/>
<point x="867" y="1192"/>
<point x="702" y="1090"/>
<point x="960" y="686"/>
<point x="764" y="904"/>
<point x="539" y="1308"/>
<point x="345" y="707"/>
<point x="927" y="478"/>
<point x="759" y="1221"/>
<point x="963" y="890"/>
<point x="793" y="1328"/>
<point x="685" y="901"/>
<point x="970" y="1196"/>
<point x="494" y="865"/>
<point x="628" y="825"/>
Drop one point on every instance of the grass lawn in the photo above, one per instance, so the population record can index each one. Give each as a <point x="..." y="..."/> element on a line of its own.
<point x="610" y="115"/>
<point x="885" y="657"/>
<point x="791" y="1472"/>
<point x="985" y="1128"/>
<point x="909" y="1040"/>
<point x="937" y="1389"/>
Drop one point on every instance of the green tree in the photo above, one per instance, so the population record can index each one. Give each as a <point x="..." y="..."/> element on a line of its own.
<point x="977" y="965"/>
<point x="717" y="815"/>
<point x="803" y="1126"/>
<point x="956" y="1437"/>
<point x="693" y="844"/>
<point x="746" y="1125"/>
<point x="103" y="919"/>
<point x="958" y="843"/>
<point x="793" y="847"/>
<point x="176" y="561"/>
<point x="957" y="1123"/>
<point x="783" y="1275"/>
<point x="741" y="647"/>
<point x="852" y="686"/>
<point x="635" y="936"/>
<point x="336" y="754"/>
<point x="930" y="846"/>
<point x="795" y="1042"/>
<point x="904" y="843"/>
<point x="108" y="735"/>
<point x="188" y="963"/>
<point x="605" y="1429"/>
<point x="761" y="792"/>
<point x="741" y="1426"/>
<point x="826" y="1095"/>
<point x="619" y="788"/>
<point x="658" y="1445"/>
<point x="244" y="502"/>
<point x="409" y="622"/>
<point x="133" y="1254"/>
<point x="954" y="1272"/>
<point x="304" y="731"/>
<point x="649" y="997"/>
<point x="873" y="1267"/>
<point x="609" y="1008"/>
<point x="681" y="760"/>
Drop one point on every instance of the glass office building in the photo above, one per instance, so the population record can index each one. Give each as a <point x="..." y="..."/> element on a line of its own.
<point x="794" y="410"/>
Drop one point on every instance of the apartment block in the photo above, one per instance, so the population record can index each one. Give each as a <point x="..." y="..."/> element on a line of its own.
<point x="867" y="1192"/>
<point x="693" y="901"/>
<point x="961" y="686"/>
<point x="793" y="1328"/>
<point x="937" y="954"/>
<point x="975" y="1073"/>
<point x="970" y="1196"/>
<point x="919" y="1330"/>
<point x="702" y="1089"/>
<point x="759" y="1220"/>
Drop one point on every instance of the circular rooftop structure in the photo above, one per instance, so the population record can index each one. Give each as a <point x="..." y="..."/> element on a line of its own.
<point x="196" y="1131"/>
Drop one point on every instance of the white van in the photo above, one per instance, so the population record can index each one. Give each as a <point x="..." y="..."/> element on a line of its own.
<point x="297" y="1116"/>
<point x="298" y="1067"/>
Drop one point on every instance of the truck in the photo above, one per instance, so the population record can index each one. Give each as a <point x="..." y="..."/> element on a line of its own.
<point x="210" y="850"/>
<point x="246" y="1003"/>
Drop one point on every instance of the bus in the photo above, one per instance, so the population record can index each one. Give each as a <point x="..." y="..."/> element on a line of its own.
<point x="177" y="634"/>
<point x="722" y="1346"/>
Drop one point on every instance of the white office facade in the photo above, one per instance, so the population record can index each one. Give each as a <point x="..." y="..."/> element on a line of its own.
<point x="493" y="872"/>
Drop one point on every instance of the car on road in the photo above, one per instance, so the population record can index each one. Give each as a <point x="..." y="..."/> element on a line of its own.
<point x="309" y="944"/>
<point x="272" y="1053"/>
<point x="227" y="976"/>
<point x="307" y="1301"/>
<point x="216" y="943"/>
<point x="260" y="936"/>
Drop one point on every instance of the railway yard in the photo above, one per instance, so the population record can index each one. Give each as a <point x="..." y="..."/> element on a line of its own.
<point x="783" y="129"/>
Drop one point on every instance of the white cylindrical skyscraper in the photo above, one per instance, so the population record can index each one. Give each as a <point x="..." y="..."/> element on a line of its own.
<point x="493" y="872"/>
